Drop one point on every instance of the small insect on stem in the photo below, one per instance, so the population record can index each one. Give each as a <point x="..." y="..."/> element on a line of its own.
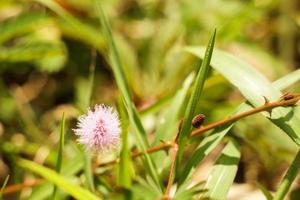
<point x="287" y="96"/>
<point x="198" y="120"/>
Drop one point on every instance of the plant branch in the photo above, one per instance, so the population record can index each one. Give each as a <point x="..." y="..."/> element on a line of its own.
<point x="288" y="99"/>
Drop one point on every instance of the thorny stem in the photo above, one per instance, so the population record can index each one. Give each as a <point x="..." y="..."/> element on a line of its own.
<point x="288" y="99"/>
<point x="268" y="106"/>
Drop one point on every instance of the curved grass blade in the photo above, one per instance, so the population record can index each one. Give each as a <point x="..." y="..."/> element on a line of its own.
<point x="74" y="190"/>
<point x="288" y="178"/>
<point x="166" y="129"/>
<point x="265" y="192"/>
<point x="211" y="141"/>
<point x="122" y="83"/>
<point x="60" y="151"/>
<point x="197" y="89"/>
<point x="254" y="87"/>
<point x="186" y="192"/>
<point x="3" y="186"/>
<point x="223" y="172"/>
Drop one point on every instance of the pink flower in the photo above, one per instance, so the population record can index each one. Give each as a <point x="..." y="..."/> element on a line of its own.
<point x="99" y="130"/>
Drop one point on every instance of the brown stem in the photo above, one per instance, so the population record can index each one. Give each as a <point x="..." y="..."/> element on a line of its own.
<point x="20" y="186"/>
<point x="164" y="145"/>
<point x="171" y="174"/>
<point x="288" y="99"/>
<point x="268" y="106"/>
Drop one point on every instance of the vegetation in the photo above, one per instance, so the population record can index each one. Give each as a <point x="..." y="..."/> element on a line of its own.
<point x="207" y="93"/>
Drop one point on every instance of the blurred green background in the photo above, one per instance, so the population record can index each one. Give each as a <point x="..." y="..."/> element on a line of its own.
<point x="47" y="47"/>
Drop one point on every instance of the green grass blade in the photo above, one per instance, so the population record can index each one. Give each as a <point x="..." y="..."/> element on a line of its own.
<point x="211" y="141"/>
<point x="167" y="128"/>
<point x="254" y="86"/>
<point x="288" y="178"/>
<point x="265" y="192"/>
<point x="122" y="83"/>
<point x="88" y="171"/>
<point x="223" y="172"/>
<point x="74" y="190"/>
<point x="289" y="79"/>
<point x="125" y="168"/>
<point x="60" y="151"/>
<point x="4" y="185"/>
<point x="87" y="155"/>
<point x="196" y="92"/>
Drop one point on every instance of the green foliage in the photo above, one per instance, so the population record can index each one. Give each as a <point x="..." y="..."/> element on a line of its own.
<point x="288" y="179"/>
<point x="60" y="151"/>
<point x="125" y="168"/>
<point x="74" y="190"/>
<point x="123" y="85"/>
<point x="29" y="33"/>
<point x="196" y="92"/>
<point x="254" y="86"/>
<point x="3" y="186"/>
<point x="223" y="172"/>
<point x="211" y="141"/>
<point x="55" y="57"/>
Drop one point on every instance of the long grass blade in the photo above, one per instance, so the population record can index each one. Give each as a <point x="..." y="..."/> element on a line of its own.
<point x="3" y="186"/>
<point x="288" y="178"/>
<point x="87" y="156"/>
<point x="122" y="83"/>
<point x="60" y="152"/>
<point x="125" y="168"/>
<point x="74" y="190"/>
<point x="197" y="89"/>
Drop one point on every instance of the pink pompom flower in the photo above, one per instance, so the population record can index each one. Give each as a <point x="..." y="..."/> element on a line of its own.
<point x="99" y="130"/>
